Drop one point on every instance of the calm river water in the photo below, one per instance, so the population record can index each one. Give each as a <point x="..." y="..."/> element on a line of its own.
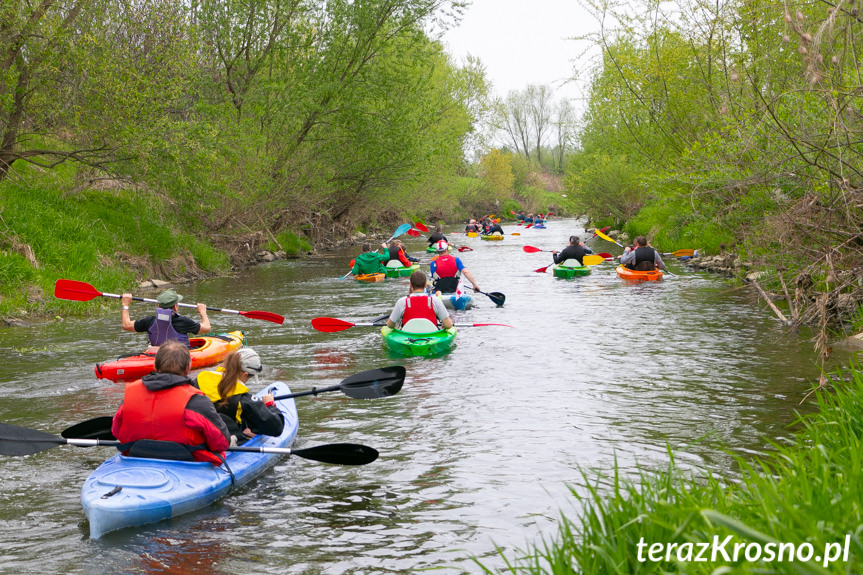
<point x="478" y="450"/>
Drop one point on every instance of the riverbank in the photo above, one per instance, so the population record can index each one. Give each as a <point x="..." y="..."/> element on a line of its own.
<point x="795" y="510"/>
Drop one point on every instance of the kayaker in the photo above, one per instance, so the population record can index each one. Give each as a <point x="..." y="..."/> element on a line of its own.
<point x="472" y="227"/>
<point x="494" y="228"/>
<point x="436" y="236"/>
<point x="418" y="306"/>
<point x="576" y="250"/>
<point x="164" y="416"/>
<point x="370" y="262"/>
<point x="244" y="416"/>
<point x="397" y="252"/>
<point x="642" y="257"/>
<point x="446" y="271"/>
<point x="167" y="324"/>
<point x="528" y="219"/>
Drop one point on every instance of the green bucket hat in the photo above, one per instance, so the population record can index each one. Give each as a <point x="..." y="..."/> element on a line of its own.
<point x="168" y="299"/>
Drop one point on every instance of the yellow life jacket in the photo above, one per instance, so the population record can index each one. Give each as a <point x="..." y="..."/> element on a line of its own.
<point x="208" y="382"/>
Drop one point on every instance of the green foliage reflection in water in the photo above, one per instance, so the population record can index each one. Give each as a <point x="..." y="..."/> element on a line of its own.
<point x="807" y="491"/>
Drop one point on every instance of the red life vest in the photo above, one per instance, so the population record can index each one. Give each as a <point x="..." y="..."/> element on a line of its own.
<point x="419" y="307"/>
<point x="159" y="415"/>
<point x="446" y="267"/>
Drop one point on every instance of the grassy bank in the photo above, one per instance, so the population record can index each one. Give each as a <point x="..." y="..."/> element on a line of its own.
<point x="805" y="497"/>
<point x="110" y="238"/>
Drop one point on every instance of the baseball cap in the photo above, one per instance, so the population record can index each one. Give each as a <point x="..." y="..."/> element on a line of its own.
<point x="168" y="299"/>
<point x="441" y="246"/>
<point x="250" y="361"/>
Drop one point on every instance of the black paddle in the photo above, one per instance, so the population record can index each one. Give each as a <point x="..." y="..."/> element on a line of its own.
<point x="495" y="296"/>
<point x="371" y="384"/>
<point x="16" y="440"/>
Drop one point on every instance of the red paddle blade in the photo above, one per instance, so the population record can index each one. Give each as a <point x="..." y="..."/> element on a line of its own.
<point x="513" y="212"/>
<point x="531" y="249"/>
<point x="465" y="249"/>
<point x="264" y="315"/>
<point x="605" y="255"/>
<point x="331" y="324"/>
<point x="413" y="233"/>
<point x="542" y="270"/>
<point x="481" y="324"/>
<point x="75" y="290"/>
<point x="421" y="227"/>
<point x="528" y="225"/>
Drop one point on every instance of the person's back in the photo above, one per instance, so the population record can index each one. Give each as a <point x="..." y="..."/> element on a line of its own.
<point x="370" y="262"/>
<point x="419" y="312"/>
<point x="164" y="416"/>
<point x="574" y="251"/>
<point x="642" y="257"/>
<point x="167" y="324"/>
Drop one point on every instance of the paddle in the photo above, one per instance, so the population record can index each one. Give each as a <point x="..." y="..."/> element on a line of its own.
<point x="515" y="234"/>
<point x="414" y="233"/>
<point x="421" y="227"/>
<point x="533" y="250"/>
<point x="399" y="231"/>
<point x="371" y="384"/>
<point x="495" y="296"/>
<point x="590" y="260"/>
<point x="680" y="253"/>
<point x="605" y="237"/>
<point x="472" y="234"/>
<point x="16" y="440"/>
<point x="605" y="229"/>
<point x="465" y="249"/>
<point x="605" y="255"/>
<point x="331" y="324"/>
<point x="542" y="270"/>
<point x="80" y="291"/>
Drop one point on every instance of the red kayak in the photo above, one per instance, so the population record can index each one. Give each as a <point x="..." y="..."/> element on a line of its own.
<point x="206" y="350"/>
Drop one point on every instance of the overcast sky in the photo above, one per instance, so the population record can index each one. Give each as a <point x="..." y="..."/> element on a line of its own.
<point x="524" y="43"/>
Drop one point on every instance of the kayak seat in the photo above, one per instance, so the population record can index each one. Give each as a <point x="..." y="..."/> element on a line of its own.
<point x="419" y="325"/>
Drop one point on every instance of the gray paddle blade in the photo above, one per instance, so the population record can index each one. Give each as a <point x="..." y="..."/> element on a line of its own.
<point x="16" y="440"/>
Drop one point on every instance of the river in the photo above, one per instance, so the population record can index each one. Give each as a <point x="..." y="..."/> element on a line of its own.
<point x="479" y="449"/>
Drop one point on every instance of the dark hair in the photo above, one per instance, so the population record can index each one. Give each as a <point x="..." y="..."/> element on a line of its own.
<point x="641" y="241"/>
<point x="173" y="357"/>
<point x="418" y="280"/>
<point x="367" y="247"/>
<point x="573" y="239"/>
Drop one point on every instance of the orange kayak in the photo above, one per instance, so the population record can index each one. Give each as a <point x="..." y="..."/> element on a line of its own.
<point x="371" y="278"/>
<point x="205" y="350"/>
<point x="633" y="275"/>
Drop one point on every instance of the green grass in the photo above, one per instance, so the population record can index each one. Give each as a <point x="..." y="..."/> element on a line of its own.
<point x="87" y="236"/>
<point x="807" y="491"/>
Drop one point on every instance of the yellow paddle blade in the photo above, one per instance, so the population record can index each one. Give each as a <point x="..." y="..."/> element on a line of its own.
<point x="592" y="260"/>
<point x="515" y="234"/>
<point x="603" y="236"/>
<point x="682" y="253"/>
<point x="472" y="234"/>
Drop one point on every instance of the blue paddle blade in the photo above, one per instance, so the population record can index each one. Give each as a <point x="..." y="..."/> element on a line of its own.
<point x="401" y="230"/>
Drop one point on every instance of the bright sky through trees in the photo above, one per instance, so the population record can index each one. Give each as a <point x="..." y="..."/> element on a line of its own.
<point x="524" y="43"/>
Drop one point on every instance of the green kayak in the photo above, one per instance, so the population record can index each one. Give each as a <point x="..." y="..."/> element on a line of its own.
<point x="404" y="343"/>
<point x="568" y="271"/>
<point x="401" y="271"/>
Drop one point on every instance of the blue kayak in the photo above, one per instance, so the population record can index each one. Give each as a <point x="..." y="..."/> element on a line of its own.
<point x="453" y="301"/>
<point x="130" y="491"/>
